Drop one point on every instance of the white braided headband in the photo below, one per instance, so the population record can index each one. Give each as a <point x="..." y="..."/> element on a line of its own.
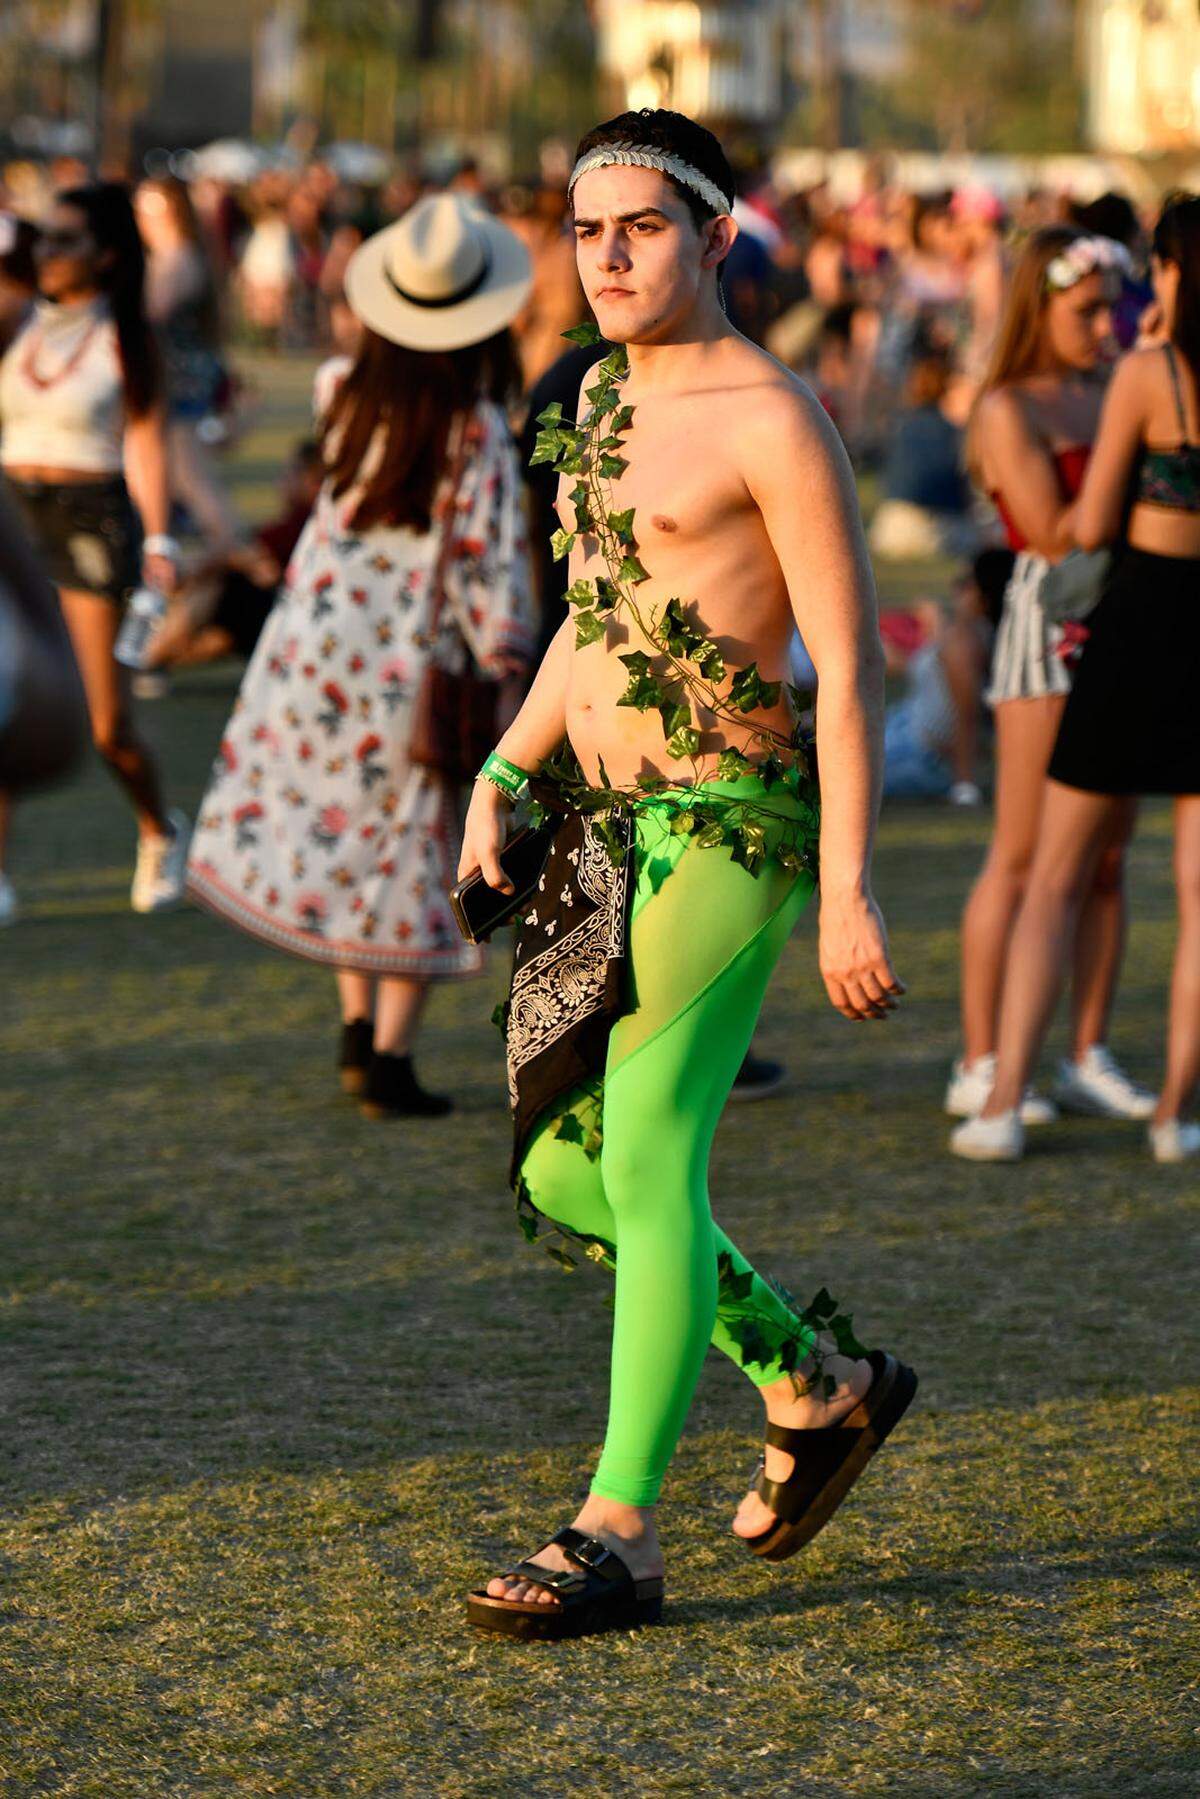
<point x="644" y="156"/>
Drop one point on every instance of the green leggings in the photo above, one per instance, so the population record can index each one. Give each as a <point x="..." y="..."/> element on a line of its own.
<point x="626" y="1163"/>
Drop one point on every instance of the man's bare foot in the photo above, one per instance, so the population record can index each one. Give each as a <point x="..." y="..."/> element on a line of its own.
<point x="628" y="1530"/>
<point x="853" y="1379"/>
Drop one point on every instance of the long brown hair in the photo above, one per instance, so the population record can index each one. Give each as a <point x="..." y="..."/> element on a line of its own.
<point x="412" y="398"/>
<point x="122" y="279"/>
<point x="1019" y="337"/>
<point x="1177" y="240"/>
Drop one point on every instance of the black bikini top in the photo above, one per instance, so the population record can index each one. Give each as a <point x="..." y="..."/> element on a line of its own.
<point x="1172" y="477"/>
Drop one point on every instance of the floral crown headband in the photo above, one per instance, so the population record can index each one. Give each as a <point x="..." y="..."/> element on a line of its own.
<point x="1086" y="256"/>
<point x="645" y="156"/>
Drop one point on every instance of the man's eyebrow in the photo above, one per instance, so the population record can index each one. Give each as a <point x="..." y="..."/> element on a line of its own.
<point x="629" y="218"/>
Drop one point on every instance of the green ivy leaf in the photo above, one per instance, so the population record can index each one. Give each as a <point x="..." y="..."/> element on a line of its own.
<point x="615" y="364"/>
<point x="675" y="713"/>
<point x="611" y="467"/>
<point x="684" y="742"/>
<point x="744" y="851"/>
<point x="711" y="837"/>
<point x="588" y="629"/>
<point x="623" y="419"/>
<point x="749" y="690"/>
<point x="631" y="570"/>
<point x="607" y="594"/>
<point x="608" y="402"/>
<point x="621" y="525"/>
<point x="823" y="1305"/>
<point x="562" y="543"/>
<point x="559" y="1255"/>
<point x="546" y="447"/>
<point x="842" y="1330"/>
<point x="583" y="335"/>
<point x="579" y="498"/>
<point x="568" y="1129"/>
<point x="581" y="592"/>
<point x="500" y="1016"/>
<point x="683" y="823"/>
<point x="731" y="765"/>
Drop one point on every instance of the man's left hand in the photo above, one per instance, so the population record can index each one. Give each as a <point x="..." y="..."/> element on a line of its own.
<point x="854" y="960"/>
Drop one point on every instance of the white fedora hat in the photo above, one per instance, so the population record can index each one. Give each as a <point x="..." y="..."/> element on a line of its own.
<point x="445" y="275"/>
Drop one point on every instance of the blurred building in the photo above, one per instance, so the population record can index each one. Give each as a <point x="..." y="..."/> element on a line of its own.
<point x="724" y="61"/>
<point x="1142" y="61"/>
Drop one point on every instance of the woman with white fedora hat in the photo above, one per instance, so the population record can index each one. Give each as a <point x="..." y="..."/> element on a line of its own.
<point x="319" y="833"/>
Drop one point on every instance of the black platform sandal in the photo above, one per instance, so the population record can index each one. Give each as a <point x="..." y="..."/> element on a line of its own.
<point x="598" y="1593"/>
<point x="828" y="1461"/>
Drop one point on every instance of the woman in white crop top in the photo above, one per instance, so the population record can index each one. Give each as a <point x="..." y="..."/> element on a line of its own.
<point x="81" y="409"/>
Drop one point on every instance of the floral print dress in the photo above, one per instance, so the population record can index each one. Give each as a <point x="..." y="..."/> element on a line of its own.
<point x="316" y="833"/>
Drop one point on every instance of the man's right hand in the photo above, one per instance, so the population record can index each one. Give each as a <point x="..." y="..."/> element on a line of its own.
<point x="484" y="836"/>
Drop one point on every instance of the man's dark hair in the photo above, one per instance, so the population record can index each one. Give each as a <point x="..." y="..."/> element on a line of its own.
<point x="678" y="136"/>
<point x="1112" y="215"/>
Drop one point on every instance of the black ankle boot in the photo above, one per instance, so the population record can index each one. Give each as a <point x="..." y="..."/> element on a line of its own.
<point x="354" y="1056"/>
<point x="393" y="1091"/>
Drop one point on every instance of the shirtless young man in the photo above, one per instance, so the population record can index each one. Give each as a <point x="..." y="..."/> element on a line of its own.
<point x="746" y="510"/>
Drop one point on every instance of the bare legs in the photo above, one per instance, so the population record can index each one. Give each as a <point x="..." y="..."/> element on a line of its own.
<point x="195" y="481"/>
<point x="1183" y="1027"/>
<point x="1077" y="830"/>
<point x="394" y="1003"/>
<point x="92" y="623"/>
<point x="1025" y="733"/>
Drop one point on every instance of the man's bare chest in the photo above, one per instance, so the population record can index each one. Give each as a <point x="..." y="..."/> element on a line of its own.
<point x="679" y="490"/>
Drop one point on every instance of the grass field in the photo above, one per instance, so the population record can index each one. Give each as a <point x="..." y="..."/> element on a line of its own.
<point x="279" y="1385"/>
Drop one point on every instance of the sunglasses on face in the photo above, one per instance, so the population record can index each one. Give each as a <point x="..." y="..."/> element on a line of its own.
<point x="63" y="240"/>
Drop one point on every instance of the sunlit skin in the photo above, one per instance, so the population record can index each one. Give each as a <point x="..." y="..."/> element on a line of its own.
<point x="1139" y="409"/>
<point x="745" y="505"/>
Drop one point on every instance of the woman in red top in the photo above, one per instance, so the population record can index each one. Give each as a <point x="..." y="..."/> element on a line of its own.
<point x="1028" y="442"/>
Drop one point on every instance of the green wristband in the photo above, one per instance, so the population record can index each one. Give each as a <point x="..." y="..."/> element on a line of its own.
<point x="511" y="780"/>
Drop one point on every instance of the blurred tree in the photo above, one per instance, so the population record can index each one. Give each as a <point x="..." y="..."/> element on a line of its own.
<point x="997" y="75"/>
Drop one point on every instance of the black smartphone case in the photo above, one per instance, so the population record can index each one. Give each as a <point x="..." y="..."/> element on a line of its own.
<point x="478" y="909"/>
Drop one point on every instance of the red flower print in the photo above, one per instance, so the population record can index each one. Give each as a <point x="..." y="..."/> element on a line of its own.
<point x="312" y="909"/>
<point x="356" y="904"/>
<point x="367" y="832"/>
<point x="358" y="595"/>
<point x="356" y="664"/>
<point x="335" y="696"/>
<point x="386" y="868"/>
<point x="404" y="930"/>
<point x="251" y="809"/>
<point x="334" y="819"/>
<point x="309" y="670"/>
<point x="322" y="583"/>
<point x="469" y="546"/>
<point x="228" y="755"/>
<point x="368" y="746"/>
<point x="271" y="896"/>
<point x="305" y="751"/>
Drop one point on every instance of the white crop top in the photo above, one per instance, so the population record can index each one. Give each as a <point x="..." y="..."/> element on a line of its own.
<point x="62" y="399"/>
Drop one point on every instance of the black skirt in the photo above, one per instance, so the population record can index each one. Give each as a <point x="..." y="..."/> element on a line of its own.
<point x="1132" y="718"/>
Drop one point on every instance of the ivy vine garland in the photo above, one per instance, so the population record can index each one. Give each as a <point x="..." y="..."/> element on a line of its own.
<point x="684" y="677"/>
<point x="681" y="680"/>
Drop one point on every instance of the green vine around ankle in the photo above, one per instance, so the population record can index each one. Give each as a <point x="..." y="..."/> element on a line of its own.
<point x="684" y="677"/>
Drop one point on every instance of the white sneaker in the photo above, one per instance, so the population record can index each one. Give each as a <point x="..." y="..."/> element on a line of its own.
<point x="1174" y="1141"/>
<point x="1098" y="1087"/>
<point x="999" y="1139"/>
<point x="158" y="879"/>
<point x="970" y="1084"/>
<point x="8" y="902"/>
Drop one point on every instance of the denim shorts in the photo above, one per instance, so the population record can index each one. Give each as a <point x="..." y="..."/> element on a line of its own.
<point x="86" y="533"/>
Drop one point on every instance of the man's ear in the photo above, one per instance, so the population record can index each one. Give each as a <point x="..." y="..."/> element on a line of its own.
<point x="719" y="235"/>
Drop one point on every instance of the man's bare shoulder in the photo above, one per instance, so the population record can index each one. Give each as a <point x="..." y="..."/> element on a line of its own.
<point x="773" y="411"/>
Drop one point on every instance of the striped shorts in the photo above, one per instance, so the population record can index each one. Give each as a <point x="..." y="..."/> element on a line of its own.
<point x="1024" y="663"/>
